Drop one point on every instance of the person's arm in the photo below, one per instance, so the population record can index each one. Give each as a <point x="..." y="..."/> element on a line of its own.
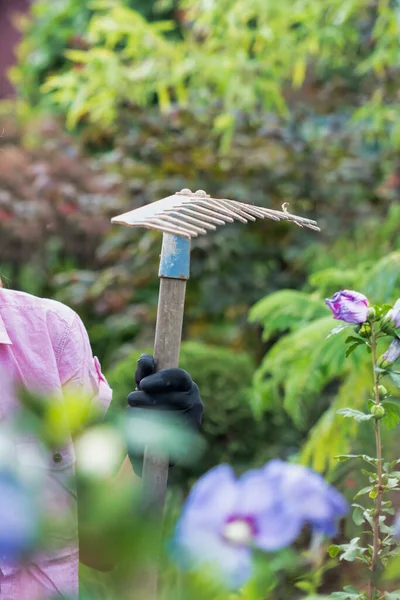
<point x="80" y="373"/>
<point x="170" y="389"/>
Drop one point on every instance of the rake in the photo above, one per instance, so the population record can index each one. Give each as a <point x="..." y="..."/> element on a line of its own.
<point x="180" y="217"/>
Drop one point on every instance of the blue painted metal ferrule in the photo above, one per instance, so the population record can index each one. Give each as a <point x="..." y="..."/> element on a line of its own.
<point x="175" y="257"/>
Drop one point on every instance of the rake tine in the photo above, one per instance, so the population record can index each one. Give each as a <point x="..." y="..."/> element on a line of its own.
<point x="286" y="216"/>
<point x="159" y="220"/>
<point x="188" y="214"/>
<point x="219" y="210"/>
<point x="253" y="210"/>
<point x="238" y="212"/>
<point x="259" y="211"/>
<point x="226" y="210"/>
<point x="162" y="228"/>
<point x="243" y="210"/>
<point x="181" y="214"/>
<point x="222" y="219"/>
<point x="190" y="211"/>
<point x="180" y="222"/>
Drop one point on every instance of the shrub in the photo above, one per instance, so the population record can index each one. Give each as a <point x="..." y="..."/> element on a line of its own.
<point x="229" y="427"/>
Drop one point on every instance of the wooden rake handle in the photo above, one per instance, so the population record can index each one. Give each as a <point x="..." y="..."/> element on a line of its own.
<point x="174" y="272"/>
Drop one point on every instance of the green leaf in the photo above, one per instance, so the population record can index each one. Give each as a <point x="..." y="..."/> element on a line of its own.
<point x="365" y="490"/>
<point x="393" y="595"/>
<point x="334" y="550"/>
<point x="337" y="330"/>
<point x="352" y="551"/>
<point x="358" y="516"/>
<point x="345" y="457"/>
<point x="353" y="338"/>
<point x="395" y="377"/>
<point x="392" y="415"/>
<point x="305" y="586"/>
<point x="357" y="415"/>
<point x="393" y="569"/>
<point x="351" y="349"/>
<point x="349" y="593"/>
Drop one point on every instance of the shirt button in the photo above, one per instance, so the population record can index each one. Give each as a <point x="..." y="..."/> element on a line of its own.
<point x="57" y="458"/>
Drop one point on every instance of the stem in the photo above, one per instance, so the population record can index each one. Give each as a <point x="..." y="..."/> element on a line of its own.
<point x="378" y="500"/>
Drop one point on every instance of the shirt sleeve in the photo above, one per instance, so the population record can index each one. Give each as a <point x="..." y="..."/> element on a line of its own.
<point x="80" y="371"/>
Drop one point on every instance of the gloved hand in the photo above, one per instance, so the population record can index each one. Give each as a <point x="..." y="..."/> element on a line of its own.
<point x="169" y="390"/>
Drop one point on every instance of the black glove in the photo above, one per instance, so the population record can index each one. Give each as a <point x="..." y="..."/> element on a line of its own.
<point x="171" y="391"/>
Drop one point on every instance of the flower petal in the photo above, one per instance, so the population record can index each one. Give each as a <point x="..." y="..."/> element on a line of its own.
<point x="212" y="498"/>
<point x="277" y="529"/>
<point x="255" y="496"/>
<point x="231" y="564"/>
<point x="392" y="354"/>
<point x="307" y="495"/>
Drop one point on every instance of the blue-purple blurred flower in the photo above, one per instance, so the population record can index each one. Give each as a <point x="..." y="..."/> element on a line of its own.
<point x="224" y="517"/>
<point x="349" y="306"/>
<point x="393" y="352"/>
<point x="18" y="523"/>
<point x="307" y="495"/>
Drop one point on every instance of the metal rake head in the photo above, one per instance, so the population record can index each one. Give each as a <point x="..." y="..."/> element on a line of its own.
<point x="189" y="214"/>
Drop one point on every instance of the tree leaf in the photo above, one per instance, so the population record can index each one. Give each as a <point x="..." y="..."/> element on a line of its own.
<point x="357" y="415"/>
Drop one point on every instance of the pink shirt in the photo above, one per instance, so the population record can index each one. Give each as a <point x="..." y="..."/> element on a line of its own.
<point x="44" y="346"/>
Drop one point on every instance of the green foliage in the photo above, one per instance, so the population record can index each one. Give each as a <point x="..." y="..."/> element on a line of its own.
<point x="224" y="378"/>
<point x="54" y="27"/>
<point x="245" y="53"/>
<point x="349" y="593"/>
<point x="305" y="371"/>
<point x="357" y="415"/>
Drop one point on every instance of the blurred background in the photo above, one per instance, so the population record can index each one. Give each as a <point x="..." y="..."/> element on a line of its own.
<point x="111" y="104"/>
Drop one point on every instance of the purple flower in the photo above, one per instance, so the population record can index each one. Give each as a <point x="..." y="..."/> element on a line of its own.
<point x="393" y="352"/>
<point x="307" y="494"/>
<point x="225" y="517"/>
<point x="18" y="523"/>
<point x="349" y="306"/>
<point x="394" y="315"/>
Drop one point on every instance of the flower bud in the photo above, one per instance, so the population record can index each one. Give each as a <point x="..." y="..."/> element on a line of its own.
<point x="391" y="320"/>
<point x="392" y="353"/>
<point x="387" y="324"/>
<point x="365" y="330"/>
<point x="371" y="314"/>
<point x="378" y="411"/>
<point x="349" y="306"/>
<point x="382" y="363"/>
<point x="382" y="391"/>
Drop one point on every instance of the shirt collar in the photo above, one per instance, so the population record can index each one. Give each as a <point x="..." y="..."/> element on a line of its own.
<point x="4" y="337"/>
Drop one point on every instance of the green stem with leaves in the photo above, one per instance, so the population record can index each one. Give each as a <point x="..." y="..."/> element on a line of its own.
<point x="378" y="500"/>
